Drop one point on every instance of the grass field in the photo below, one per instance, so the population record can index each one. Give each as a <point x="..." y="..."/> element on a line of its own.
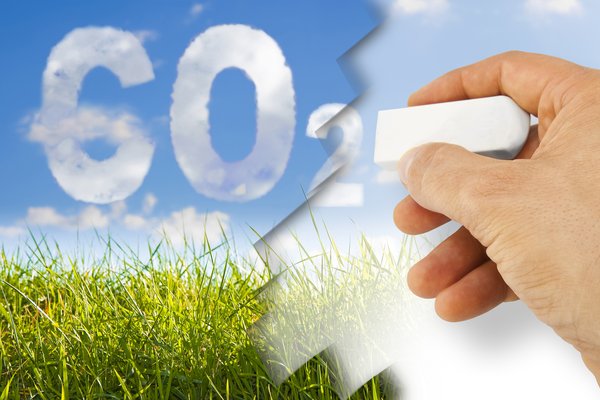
<point x="173" y="325"/>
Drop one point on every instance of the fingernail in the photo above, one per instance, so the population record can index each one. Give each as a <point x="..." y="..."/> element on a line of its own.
<point x="405" y="163"/>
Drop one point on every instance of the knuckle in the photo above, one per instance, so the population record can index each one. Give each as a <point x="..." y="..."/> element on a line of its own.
<point x="431" y="158"/>
<point x="480" y="189"/>
<point x="509" y="179"/>
<point x="512" y="54"/>
<point x="495" y="181"/>
<point x="435" y="163"/>
<point x="425" y="162"/>
<point x="509" y="58"/>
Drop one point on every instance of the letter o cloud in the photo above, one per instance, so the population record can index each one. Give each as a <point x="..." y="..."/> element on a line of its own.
<point x="259" y="56"/>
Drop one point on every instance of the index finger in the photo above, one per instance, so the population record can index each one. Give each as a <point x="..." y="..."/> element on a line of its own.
<point x="528" y="78"/>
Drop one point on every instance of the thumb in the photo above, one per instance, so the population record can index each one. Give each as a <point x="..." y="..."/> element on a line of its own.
<point x="452" y="181"/>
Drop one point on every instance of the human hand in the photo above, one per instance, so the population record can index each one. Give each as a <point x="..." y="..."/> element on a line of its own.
<point x="531" y="226"/>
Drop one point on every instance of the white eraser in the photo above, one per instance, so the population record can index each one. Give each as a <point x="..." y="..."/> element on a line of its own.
<point x="492" y="126"/>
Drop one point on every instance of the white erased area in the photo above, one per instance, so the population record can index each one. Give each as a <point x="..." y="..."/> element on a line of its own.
<point x="505" y="354"/>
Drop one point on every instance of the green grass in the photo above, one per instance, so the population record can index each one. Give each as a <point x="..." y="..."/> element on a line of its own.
<point x="173" y="325"/>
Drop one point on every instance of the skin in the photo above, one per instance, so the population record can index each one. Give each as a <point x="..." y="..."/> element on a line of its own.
<point x="530" y="226"/>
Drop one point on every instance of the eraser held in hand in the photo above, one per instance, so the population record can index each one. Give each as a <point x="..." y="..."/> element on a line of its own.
<point x="492" y="126"/>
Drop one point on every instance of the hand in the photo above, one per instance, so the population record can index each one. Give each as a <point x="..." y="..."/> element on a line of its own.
<point x="531" y="227"/>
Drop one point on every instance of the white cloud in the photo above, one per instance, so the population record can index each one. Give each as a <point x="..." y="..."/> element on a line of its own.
<point x="86" y="179"/>
<point x="150" y="201"/>
<point x="554" y="6"/>
<point x="185" y="224"/>
<point x="135" y="222"/>
<point x="259" y="56"/>
<point x="46" y="216"/>
<point x="62" y="126"/>
<point x="349" y="121"/>
<point x="138" y="222"/>
<point x="385" y="177"/>
<point x="193" y="226"/>
<point x="336" y="194"/>
<point x="11" y="231"/>
<point x="420" y="6"/>
<point x="91" y="217"/>
<point x="146" y="35"/>
<point x="117" y="209"/>
<point x="196" y="10"/>
<point x="88" y="123"/>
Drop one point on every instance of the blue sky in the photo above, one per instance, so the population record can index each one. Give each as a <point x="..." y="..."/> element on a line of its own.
<point x="419" y="40"/>
<point x="311" y="35"/>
